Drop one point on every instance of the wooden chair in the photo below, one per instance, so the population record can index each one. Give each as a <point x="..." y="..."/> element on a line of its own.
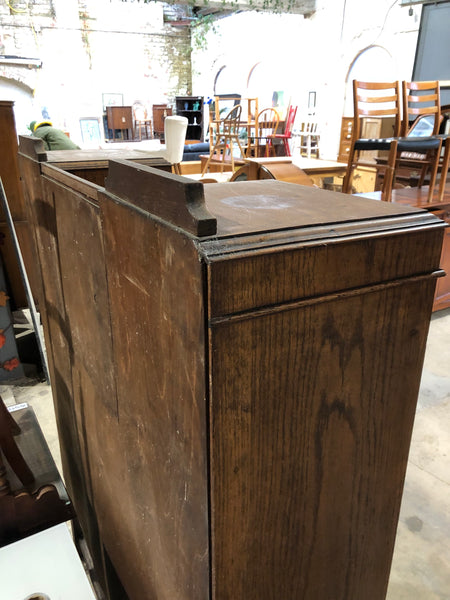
<point x="308" y="137"/>
<point x="287" y="134"/>
<point x="227" y="137"/>
<point x="379" y="101"/>
<point x="261" y="138"/>
<point x="420" y="99"/>
<point x="419" y="147"/>
<point x="223" y="103"/>
<point x="142" y="122"/>
<point x="38" y="499"/>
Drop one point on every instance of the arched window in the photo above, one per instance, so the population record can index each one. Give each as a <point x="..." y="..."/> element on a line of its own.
<point x="373" y="63"/>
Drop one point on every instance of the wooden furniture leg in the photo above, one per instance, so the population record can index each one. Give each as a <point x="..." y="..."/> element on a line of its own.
<point x="444" y="170"/>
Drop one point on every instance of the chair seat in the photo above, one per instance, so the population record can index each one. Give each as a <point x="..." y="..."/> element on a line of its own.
<point x="410" y="144"/>
<point x="374" y="144"/>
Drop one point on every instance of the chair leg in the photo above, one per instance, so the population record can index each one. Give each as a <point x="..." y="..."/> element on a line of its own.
<point x="348" y="177"/>
<point x="211" y="154"/>
<point x="444" y="170"/>
<point x="230" y="146"/>
<point x="287" y="150"/>
<point x="389" y="174"/>
<point x="433" y="173"/>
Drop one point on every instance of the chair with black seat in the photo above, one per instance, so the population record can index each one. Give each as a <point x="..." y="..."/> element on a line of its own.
<point x="380" y="101"/>
<point x="226" y="138"/>
<point x="419" y="148"/>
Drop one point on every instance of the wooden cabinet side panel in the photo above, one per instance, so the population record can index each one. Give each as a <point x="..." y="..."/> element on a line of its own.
<point x="311" y="417"/>
<point x="84" y="287"/>
<point x="9" y="173"/>
<point x="41" y="208"/>
<point x="155" y="521"/>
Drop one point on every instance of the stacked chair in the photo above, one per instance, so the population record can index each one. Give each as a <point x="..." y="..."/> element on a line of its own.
<point x="262" y="133"/>
<point x="227" y="138"/>
<point x="405" y="107"/>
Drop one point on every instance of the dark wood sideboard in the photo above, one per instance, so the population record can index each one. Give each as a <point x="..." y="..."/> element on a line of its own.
<point x="235" y="370"/>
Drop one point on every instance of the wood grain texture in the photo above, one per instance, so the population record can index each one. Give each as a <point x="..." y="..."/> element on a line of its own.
<point x="234" y="409"/>
<point x="285" y="274"/>
<point x="10" y="176"/>
<point x="174" y="199"/>
<point x="311" y="417"/>
<point x="157" y="468"/>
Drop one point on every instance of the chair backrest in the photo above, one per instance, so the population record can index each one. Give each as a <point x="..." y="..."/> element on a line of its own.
<point x="231" y="123"/>
<point x="267" y="122"/>
<point x="223" y="103"/>
<point x="175" y="135"/>
<point x="139" y="112"/>
<point x="380" y="100"/>
<point x="289" y="124"/>
<point x="421" y="99"/>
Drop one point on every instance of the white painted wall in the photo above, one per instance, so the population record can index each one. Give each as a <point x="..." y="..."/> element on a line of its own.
<point x="122" y="49"/>
<point x="300" y="55"/>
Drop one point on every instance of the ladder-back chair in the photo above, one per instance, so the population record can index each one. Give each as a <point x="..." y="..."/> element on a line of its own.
<point x="419" y="148"/>
<point x="265" y="127"/>
<point x="379" y="101"/>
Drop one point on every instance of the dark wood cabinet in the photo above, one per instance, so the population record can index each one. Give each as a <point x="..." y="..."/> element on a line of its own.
<point x="160" y="112"/>
<point x="120" y="118"/>
<point x="9" y="173"/>
<point x="191" y="107"/>
<point x="235" y="370"/>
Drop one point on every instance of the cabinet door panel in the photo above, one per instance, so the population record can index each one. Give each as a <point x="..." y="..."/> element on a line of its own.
<point x="311" y="418"/>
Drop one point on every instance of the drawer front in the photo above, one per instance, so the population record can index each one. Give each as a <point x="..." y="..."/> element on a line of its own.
<point x="261" y="279"/>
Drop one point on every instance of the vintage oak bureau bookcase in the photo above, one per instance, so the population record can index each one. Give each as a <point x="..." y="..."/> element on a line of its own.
<point x="235" y="370"/>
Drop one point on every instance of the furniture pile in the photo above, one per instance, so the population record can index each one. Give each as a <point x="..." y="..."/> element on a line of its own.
<point x="415" y="139"/>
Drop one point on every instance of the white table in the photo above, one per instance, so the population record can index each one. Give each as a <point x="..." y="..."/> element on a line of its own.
<point x="46" y="562"/>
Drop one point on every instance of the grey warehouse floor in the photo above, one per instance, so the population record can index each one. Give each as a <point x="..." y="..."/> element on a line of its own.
<point x="421" y="563"/>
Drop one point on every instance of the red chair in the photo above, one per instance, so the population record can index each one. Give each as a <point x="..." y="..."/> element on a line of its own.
<point x="286" y="136"/>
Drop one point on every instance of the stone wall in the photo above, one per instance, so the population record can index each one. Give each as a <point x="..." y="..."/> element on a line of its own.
<point x="90" y="48"/>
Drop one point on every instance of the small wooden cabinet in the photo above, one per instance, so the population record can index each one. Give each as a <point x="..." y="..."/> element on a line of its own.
<point x="372" y="128"/>
<point x="160" y="112"/>
<point x="120" y="118"/>
<point x="191" y="107"/>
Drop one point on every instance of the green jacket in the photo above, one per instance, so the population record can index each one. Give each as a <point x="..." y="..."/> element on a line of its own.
<point x="54" y="139"/>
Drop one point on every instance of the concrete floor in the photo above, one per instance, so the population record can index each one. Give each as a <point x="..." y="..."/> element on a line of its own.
<point x="421" y="562"/>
